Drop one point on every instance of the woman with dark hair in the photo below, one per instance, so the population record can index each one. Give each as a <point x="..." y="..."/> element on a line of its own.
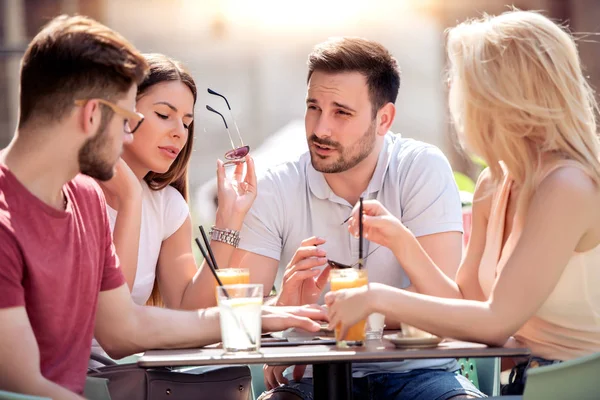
<point x="147" y="198"/>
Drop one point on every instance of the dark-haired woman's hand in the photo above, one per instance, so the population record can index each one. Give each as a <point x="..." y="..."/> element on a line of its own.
<point x="235" y="194"/>
<point x="124" y="186"/>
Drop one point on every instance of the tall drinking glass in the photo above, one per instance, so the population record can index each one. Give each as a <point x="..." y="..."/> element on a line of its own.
<point x="240" y="314"/>
<point x="348" y="278"/>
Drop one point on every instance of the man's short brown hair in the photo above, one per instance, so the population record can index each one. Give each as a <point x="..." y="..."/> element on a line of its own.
<point x="350" y="54"/>
<point x="75" y="58"/>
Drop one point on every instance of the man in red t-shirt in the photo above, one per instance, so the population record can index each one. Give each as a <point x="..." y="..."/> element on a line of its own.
<point x="60" y="281"/>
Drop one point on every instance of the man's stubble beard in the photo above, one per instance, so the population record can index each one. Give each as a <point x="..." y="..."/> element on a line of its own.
<point x="91" y="154"/>
<point x="359" y="151"/>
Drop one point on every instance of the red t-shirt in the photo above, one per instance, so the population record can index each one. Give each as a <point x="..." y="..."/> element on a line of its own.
<point x="55" y="263"/>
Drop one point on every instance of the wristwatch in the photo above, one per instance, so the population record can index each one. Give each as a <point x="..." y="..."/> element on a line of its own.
<point x="228" y="236"/>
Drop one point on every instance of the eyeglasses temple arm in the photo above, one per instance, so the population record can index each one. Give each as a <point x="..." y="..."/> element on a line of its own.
<point x="220" y="95"/>
<point x="230" y="113"/>
<point x="209" y="108"/>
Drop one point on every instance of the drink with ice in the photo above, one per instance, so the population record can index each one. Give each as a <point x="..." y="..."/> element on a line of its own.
<point x="240" y="315"/>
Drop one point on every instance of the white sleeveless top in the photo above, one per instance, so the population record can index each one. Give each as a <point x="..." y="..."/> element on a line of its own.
<point x="163" y="213"/>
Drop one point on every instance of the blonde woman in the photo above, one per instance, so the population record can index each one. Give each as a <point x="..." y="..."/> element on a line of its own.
<point x="532" y="268"/>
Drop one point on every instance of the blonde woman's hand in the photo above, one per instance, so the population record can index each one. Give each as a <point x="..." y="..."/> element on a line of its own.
<point x="235" y="195"/>
<point x="379" y="225"/>
<point x="124" y="186"/>
<point x="347" y="307"/>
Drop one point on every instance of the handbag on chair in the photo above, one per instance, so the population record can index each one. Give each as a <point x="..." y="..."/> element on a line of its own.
<point x="130" y="382"/>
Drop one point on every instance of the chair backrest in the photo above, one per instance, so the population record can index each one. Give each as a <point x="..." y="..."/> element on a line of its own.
<point x="575" y="379"/>
<point x="484" y="373"/>
<point x="4" y="395"/>
<point x="258" y="380"/>
<point x="96" y="388"/>
<point x="488" y="372"/>
<point x="468" y="369"/>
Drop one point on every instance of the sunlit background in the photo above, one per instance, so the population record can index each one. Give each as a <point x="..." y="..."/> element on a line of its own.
<point x="255" y="51"/>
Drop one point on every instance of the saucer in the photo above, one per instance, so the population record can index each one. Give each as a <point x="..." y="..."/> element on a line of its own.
<point x="413" y="342"/>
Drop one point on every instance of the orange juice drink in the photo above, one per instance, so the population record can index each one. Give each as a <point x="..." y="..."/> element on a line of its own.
<point x="233" y="276"/>
<point x="348" y="278"/>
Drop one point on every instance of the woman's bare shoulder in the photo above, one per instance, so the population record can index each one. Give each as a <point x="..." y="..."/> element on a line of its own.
<point x="484" y="193"/>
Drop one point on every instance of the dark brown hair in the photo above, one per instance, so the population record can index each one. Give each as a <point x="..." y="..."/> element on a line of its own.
<point x="165" y="69"/>
<point x="350" y="54"/>
<point x="75" y="58"/>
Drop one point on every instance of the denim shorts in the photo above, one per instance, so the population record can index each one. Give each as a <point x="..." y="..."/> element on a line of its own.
<point x="419" y="384"/>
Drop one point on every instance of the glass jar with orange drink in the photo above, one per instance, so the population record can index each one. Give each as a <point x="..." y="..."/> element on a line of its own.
<point x="347" y="278"/>
<point x="233" y="276"/>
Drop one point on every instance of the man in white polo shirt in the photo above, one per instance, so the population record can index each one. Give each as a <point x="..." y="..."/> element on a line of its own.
<point x="352" y="87"/>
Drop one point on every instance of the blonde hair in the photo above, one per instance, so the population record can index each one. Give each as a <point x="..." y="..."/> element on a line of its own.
<point x="518" y="94"/>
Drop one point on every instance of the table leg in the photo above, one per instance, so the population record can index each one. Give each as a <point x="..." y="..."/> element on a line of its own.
<point x="332" y="381"/>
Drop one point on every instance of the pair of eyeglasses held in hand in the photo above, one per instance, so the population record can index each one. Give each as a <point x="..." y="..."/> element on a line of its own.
<point x="360" y="262"/>
<point x="339" y="265"/>
<point x="237" y="154"/>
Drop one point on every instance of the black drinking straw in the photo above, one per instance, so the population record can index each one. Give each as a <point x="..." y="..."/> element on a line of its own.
<point x="211" y="266"/>
<point x="207" y="243"/>
<point x="360" y="233"/>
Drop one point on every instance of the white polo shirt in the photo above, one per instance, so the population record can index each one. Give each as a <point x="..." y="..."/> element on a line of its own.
<point x="412" y="179"/>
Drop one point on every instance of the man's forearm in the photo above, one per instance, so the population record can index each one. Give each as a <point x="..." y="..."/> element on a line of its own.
<point x="160" y="328"/>
<point x="163" y="328"/>
<point x="54" y="391"/>
<point x="42" y="387"/>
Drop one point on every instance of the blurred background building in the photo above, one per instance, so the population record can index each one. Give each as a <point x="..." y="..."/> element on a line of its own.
<point x="255" y="52"/>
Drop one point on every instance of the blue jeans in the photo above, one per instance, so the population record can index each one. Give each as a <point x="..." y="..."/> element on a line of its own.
<point x="419" y="384"/>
